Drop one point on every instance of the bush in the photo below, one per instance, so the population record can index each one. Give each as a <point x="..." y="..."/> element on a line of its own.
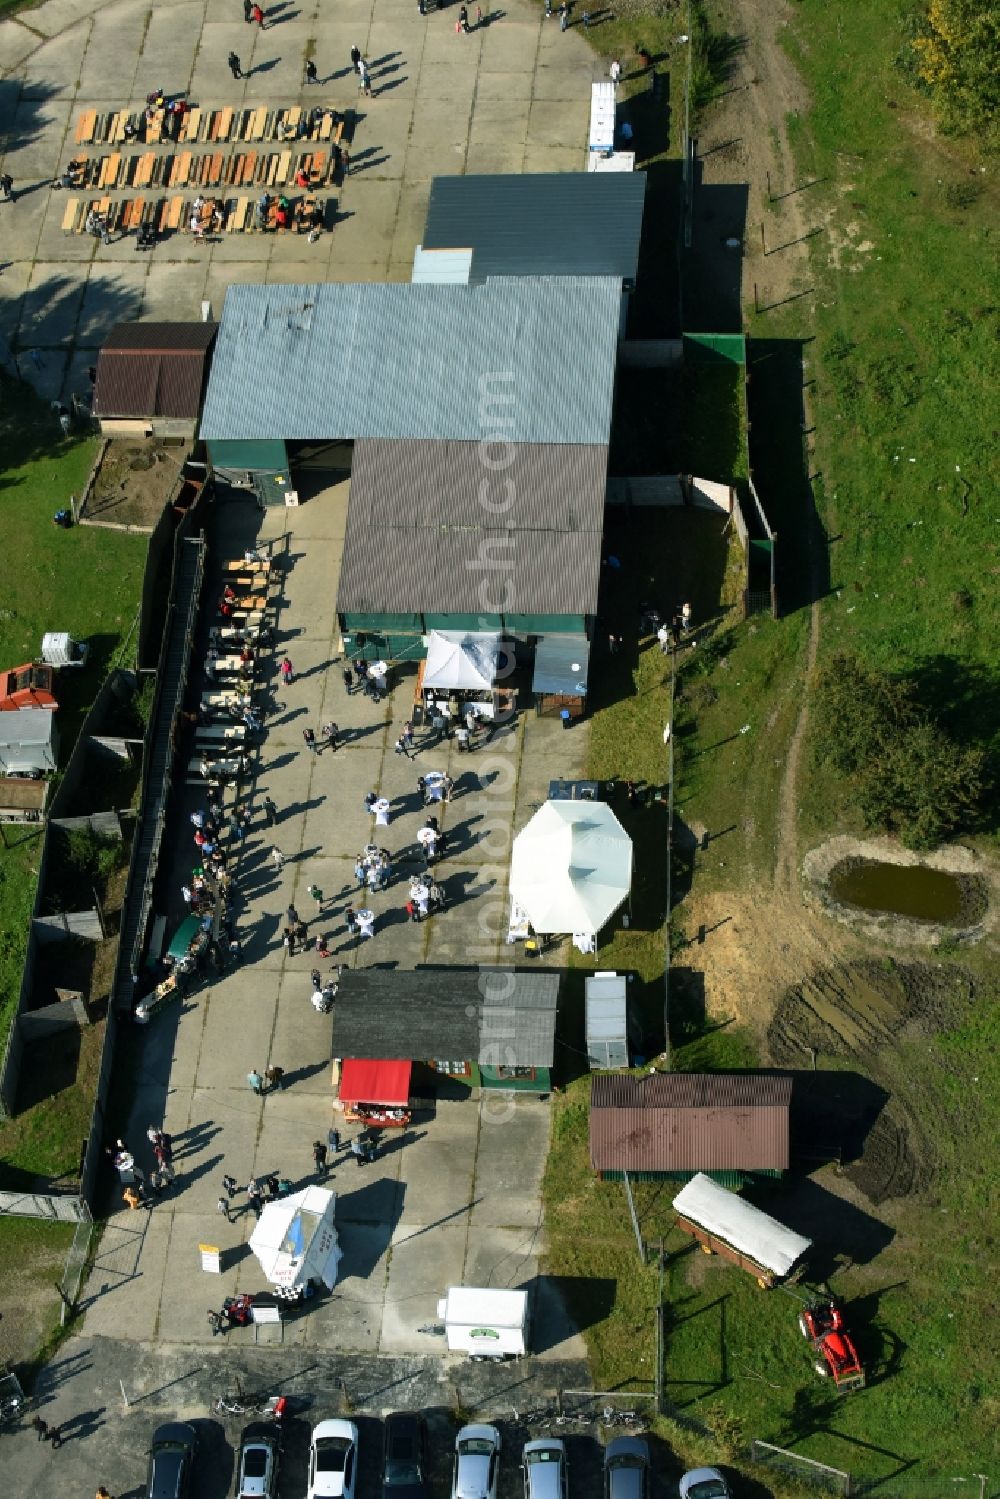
<point x="908" y="776"/>
<point x="954" y="53"/>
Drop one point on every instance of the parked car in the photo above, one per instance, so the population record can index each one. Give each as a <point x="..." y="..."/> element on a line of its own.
<point x="171" y="1458"/>
<point x="626" y="1469"/>
<point x="257" y="1466"/>
<point x="704" y="1483"/>
<point x="404" y="1456"/>
<point x="477" y="1463"/>
<point x="333" y="1460"/>
<point x="546" y="1475"/>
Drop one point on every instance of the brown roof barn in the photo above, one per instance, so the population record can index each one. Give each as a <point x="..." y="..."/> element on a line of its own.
<point x="689" y="1121"/>
<point x="153" y="370"/>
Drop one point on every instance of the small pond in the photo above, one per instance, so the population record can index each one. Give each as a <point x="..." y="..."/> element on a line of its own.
<point x="910" y="890"/>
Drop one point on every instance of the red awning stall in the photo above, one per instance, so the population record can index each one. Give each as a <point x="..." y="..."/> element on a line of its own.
<point x="376" y="1093"/>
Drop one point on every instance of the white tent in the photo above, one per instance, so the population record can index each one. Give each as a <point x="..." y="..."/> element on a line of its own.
<point x="295" y="1239"/>
<point x="461" y="660"/>
<point x="571" y="867"/>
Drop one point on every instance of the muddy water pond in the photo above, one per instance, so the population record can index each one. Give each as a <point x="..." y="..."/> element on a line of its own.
<point x="910" y="890"/>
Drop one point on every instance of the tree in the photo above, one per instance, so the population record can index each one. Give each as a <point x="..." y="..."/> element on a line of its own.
<point x="908" y="776"/>
<point x="956" y="54"/>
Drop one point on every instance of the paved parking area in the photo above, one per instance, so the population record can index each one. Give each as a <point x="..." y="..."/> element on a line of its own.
<point x="457" y="1197"/>
<point x="513" y="96"/>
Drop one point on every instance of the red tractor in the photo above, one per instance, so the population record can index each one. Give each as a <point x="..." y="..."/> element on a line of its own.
<point x="822" y="1322"/>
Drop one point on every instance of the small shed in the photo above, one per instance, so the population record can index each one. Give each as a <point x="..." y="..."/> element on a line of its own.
<point x="151" y="379"/>
<point x="559" y="682"/>
<point x="607" y="1020"/>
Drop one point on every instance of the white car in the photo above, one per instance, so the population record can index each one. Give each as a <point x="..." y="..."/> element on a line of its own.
<point x="477" y="1463"/>
<point x="333" y="1460"/>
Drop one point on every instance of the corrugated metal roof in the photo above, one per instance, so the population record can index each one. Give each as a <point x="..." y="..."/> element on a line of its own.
<point x="496" y="1017"/>
<point x="690" y="1122"/>
<point x="544" y="224"/>
<point x="468" y="572"/>
<point x="152" y="369"/>
<point x="517" y="360"/>
<point x="529" y="487"/>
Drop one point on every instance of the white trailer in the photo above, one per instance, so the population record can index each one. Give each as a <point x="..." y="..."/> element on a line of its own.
<point x="484" y="1322"/>
<point x="727" y="1225"/>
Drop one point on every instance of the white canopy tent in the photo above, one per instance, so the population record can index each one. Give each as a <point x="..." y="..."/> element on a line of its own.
<point x="461" y="661"/>
<point x="295" y="1239"/>
<point x="571" y="869"/>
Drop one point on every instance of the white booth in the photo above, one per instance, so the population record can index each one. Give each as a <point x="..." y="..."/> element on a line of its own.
<point x="484" y="1322"/>
<point x="295" y="1240"/>
<point x="602" y="118"/>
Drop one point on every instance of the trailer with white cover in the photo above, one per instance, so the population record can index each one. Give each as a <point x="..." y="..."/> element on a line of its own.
<point x="727" y="1225"/>
<point x="485" y="1323"/>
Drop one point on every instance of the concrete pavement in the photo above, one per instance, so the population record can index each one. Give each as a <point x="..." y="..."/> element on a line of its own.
<point x="513" y="96"/>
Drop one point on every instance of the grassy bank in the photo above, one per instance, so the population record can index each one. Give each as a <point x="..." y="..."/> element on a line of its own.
<point x="905" y="323"/>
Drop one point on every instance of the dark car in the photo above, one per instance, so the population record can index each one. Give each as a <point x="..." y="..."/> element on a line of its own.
<point x="257" y="1467"/>
<point x="626" y="1469"/>
<point x="404" y="1456"/>
<point x="171" y="1458"/>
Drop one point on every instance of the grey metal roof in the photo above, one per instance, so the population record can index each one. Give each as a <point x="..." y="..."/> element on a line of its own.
<point x="497" y="1017"/>
<point x="544" y="224"/>
<point x="424" y="519"/>
<point x="516" y="360"/>
<point x="387" y="571"/>
<point x="531" y="487"/>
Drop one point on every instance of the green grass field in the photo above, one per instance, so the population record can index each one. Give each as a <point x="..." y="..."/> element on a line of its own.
<point x="86" y="581"/>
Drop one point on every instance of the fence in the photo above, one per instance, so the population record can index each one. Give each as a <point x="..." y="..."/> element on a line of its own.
<point x="805" y="1469"/>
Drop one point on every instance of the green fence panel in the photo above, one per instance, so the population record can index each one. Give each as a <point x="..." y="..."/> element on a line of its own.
<point x="713" y="348"/>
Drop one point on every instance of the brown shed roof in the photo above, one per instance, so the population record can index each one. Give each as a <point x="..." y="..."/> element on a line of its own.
<point x="694" y="1121"/>
<point x="153" y="369"/>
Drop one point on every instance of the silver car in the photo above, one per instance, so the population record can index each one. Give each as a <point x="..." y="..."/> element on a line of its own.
<point x="545" y="1472"/>
<point x="626" y="1469"/>
<point x="704" y="1483"/>
<point x="477" y="1463"/>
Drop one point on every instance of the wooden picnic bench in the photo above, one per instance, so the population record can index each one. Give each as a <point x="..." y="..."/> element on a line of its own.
<point x="190" y="125"/>
<point x="85" y="127"/>
<point x="71" y="215"/>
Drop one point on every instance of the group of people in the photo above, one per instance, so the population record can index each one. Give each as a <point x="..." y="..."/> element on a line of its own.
<point x="426" y="895"/>
<point x="373" y="867"/>
<point x="371" y="677"/>
<point x="669" y="636"/>
<point x="135" y="1179"/>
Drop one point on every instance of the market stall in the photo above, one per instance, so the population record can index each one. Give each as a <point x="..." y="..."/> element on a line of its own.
<point x="559" y="683"/>
<point x="376" y="1094"/>
<point x="460" y="674"/>
<point x="571" y="870"/>
<point x="295" y="1240"/>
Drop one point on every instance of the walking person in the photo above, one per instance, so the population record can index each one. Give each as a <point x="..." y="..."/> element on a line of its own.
<point x="348" y="677"/>
<point x="358" y="1150"/>
<point x="615" y="72"/>
<point x="352" y="922"/>
<point x="234" y="65"/>
<point x="401" y="748"/>
<point x="287" y="674"/>
<point x="330" y="737"/>
<point x="366" y="81"/>
<point x="312" y="76"/>
<point x="309" y="736"/>
<point x="277" y="859"/>
<point x="317" y="896"/>
<point x="255" y="1082"/>
<point x="230" y="1186"/>
<point x="257" y="16"/>
<point x="222" y="1206"/>
<point x="7" y="187"/>
<point x="255" y="1197"/>
<point x="333" y="1139"/>
<point x="463" y="20"/>
<point x="564" y="16"/>
<point x="274" y="1077"/>
<point x="319" y="1157"/>
<point x="248" y="11"/>
<point x="356" y="59"/>
<point x="41" y="1428"/>
<point x="270" y="811"/>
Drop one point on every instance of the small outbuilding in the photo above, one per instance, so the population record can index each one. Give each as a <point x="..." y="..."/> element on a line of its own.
<point x="29" y="742"/>
<point x="607" y="1020"/>
<point x="484" y="1027"/>
<point x="676" y="1124"/>
<point x="151" y="379"/>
